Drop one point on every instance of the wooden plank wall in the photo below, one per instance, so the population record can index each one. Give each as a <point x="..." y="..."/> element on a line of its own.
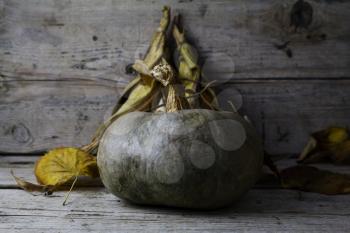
<point x="62" y="64"/>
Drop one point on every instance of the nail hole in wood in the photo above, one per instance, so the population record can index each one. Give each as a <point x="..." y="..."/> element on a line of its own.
<point x="129" y="70"/>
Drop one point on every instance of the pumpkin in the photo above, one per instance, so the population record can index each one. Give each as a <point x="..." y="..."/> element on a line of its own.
<point x="175" y="155"/>
<point x="194" y="158"/>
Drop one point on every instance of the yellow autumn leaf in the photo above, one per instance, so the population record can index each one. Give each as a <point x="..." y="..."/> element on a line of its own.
<point x="331" y="144"/>
<point x="59" y="166"/>
<point x="31" y="187"/>
<point x="337" y="135"/>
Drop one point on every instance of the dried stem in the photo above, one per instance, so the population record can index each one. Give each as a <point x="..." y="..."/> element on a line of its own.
<point x="145" y="96"/>
<point x="70" y="190"/>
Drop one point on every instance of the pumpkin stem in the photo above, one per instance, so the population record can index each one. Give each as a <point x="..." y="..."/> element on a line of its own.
<point x="164" y="73"/>
<point x="174" y="103"/>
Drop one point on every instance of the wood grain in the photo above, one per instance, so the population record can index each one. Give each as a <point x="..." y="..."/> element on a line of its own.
<point x="286" y="113"/>
<point x="62" y="65"/>
<point x="23" y="166"/>
<point x="95" y="210"/>
<point x="99" y="38"/>
<point x="37" y="116"/>
<point x="62" y="68"/>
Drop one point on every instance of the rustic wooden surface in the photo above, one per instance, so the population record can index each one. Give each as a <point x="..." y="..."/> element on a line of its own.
<point x="263" y="209"/>
<point x="23" y="166"/>
<point x="62" y="65"/>
<point x="62" y="68"/>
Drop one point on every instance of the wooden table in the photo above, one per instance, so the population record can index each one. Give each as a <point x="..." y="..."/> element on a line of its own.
<point x="266" y="208"/>
<point x="63" y="67"/>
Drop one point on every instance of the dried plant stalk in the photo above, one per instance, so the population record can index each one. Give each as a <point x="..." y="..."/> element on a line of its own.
<point x="143" y="88"/>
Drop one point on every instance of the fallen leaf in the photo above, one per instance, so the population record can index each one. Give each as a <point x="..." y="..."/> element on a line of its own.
<point x="60" y="166"/>
<point x="308" y="149"/>
<point x="338" y="135"/>
<point x="331" y="144"/>
<point x="30" y="187"/>
<point x="341" y="154"/>
<point x="311" y="179"/>
<point x="330" y="137"/>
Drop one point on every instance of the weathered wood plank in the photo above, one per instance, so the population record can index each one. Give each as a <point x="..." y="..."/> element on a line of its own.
<point x="36" y="116"/>
<point x="286" y="113"/>
<point x="44" y="42"/>
<point x="236" y="39"/>
<point x="95" y="210"/>
<point x="23" y="166"/>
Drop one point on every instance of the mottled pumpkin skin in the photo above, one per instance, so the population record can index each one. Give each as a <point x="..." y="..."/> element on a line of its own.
<point x="199" y="159"/>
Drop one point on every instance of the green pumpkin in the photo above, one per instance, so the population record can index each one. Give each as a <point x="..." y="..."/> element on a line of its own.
<point x="196" y="158"/>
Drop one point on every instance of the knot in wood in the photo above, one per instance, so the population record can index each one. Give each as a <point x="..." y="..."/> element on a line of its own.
<point x="301" y="14"/>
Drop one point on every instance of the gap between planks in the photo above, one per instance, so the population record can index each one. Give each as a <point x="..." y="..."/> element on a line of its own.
<point x="23" y="166"/>
<point x="96" y="210"/>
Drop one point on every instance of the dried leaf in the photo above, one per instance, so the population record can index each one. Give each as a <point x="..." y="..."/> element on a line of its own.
<point x="139" y="97"/>
<point x="308" y="149"/>
<point x="330" y="137"/>
<point x="311" y="179"/>
<point x="126" y="93"/>
<point x="189" y="55"/>
<point x="188" y="70"/>
<point x="145" y="89"/>
<point x="30" y="187"/>
<point x="332" y="144"/>
<point x="341" y="154"/>
<point x="142" y="91"/>
<point x="156" y="50"/>
<point x="141" y="68"/>
<point x="337" y="135"/>
<point x="59" y="166"/>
